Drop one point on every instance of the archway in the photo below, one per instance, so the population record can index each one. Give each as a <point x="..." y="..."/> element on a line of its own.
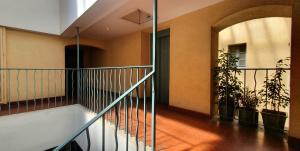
<point x="238" y="17"/>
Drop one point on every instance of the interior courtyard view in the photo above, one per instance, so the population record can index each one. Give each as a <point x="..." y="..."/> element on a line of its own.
<point x="151" y="75"/>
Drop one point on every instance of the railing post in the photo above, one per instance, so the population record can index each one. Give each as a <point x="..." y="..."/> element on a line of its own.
<point x="126" y="112"/>
<point x="153" y="122"/>
<point x="78" y="62"/>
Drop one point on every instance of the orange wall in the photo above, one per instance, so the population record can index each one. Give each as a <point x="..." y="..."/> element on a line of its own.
<point x="32" y="50"/>
<point x="26" y="49"/>
<point x="128" y="50"/>
<point x="125" y="50"/>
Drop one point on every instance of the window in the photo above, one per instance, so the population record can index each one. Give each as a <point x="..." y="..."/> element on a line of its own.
<point x="239" y="50"/>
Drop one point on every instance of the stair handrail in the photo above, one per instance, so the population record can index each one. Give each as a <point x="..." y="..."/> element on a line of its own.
<point x="104" y="111"/>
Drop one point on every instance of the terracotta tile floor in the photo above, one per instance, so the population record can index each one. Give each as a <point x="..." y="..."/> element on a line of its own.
<point x="179" y="132"/>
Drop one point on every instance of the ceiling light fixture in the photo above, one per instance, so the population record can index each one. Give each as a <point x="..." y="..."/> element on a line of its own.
<point x="138" y="16"/>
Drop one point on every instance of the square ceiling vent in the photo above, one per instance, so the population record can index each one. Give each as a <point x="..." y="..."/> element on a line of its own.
<point x="138" y="16"/>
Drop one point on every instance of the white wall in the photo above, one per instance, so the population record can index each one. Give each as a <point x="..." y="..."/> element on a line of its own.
<point x="72" y="10"/>
<point x="44" y="129"/>
<point x="35" y="15"/>
<point x="46" y="16"/>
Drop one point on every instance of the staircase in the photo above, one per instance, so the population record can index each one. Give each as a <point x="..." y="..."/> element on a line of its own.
<point x="118" y="96"/>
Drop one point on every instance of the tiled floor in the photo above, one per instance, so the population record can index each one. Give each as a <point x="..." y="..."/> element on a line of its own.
<point x="178" y="132"/>
<point x="181" y="132"/>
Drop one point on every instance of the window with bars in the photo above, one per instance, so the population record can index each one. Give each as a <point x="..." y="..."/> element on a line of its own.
<point x="239" y="50"/>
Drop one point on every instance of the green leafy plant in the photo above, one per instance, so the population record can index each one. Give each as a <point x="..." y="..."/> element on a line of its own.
<point x="250" y="101"/>
<point x="228" y="86"/>
<point x="274" y="92"/>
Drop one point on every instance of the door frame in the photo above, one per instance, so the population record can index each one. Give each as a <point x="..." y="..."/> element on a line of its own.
<point x="160" y="34"/>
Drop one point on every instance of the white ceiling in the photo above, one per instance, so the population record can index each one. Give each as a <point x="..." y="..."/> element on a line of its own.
<point x="103" y="20"/>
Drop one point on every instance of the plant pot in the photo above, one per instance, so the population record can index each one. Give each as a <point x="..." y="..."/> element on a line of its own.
<point x="226" y="111"/>
<point x="274" y="121"/>
<point x="248" y="117"/>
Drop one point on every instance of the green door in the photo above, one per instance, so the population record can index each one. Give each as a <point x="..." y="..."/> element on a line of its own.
<point x="162" y="67"/>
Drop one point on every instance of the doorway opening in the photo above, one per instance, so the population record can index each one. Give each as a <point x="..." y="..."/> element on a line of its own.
<point x="162" y="68"/>
<point x="87" y="59"/>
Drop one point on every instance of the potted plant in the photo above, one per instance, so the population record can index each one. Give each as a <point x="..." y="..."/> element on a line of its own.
<point x="248" y="114"/>
<point x="228" y="86"/>
<point x="275" y="96"/>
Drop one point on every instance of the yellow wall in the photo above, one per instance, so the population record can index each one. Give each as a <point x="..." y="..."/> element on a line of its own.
<point x="36" y="50"/>
<point x="125" y="50"/>
<point x="33" y="50"/>
<point x="26" y="49"/>
<point x="128" y="50"/>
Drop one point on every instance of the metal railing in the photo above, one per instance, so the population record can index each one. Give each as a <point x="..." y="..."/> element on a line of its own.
<point x="23" y="90"/>
<point x="114" y="106"/>
<point x="115" y="93"/>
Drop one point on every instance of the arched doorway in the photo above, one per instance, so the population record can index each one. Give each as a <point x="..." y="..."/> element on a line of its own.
<point x="260" y="12"/>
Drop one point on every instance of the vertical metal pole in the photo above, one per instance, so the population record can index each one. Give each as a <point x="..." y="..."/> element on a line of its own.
<point x="78" y="63"/>
<point x="131" y="102"/>
<point x="34" y="89"/>
<point x="126" y="112"/>
<point x="94" y="91"/>
<point x="61" y="91"/>
<point x="154" y="28"/>
<point x="116" y="110"/>
<point x="145" y="111"/>
<point x="9" y="98"/>
<point x="47" y="89"/>
<point x="137" y="111"/>
<point x="27" y="90"/>
<point x="18" y="90"/>
<point x="66" y="86"/>
<point x="54" y="87"/>
<point x="104" y="106"/>
<point x="42" y="97"/>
